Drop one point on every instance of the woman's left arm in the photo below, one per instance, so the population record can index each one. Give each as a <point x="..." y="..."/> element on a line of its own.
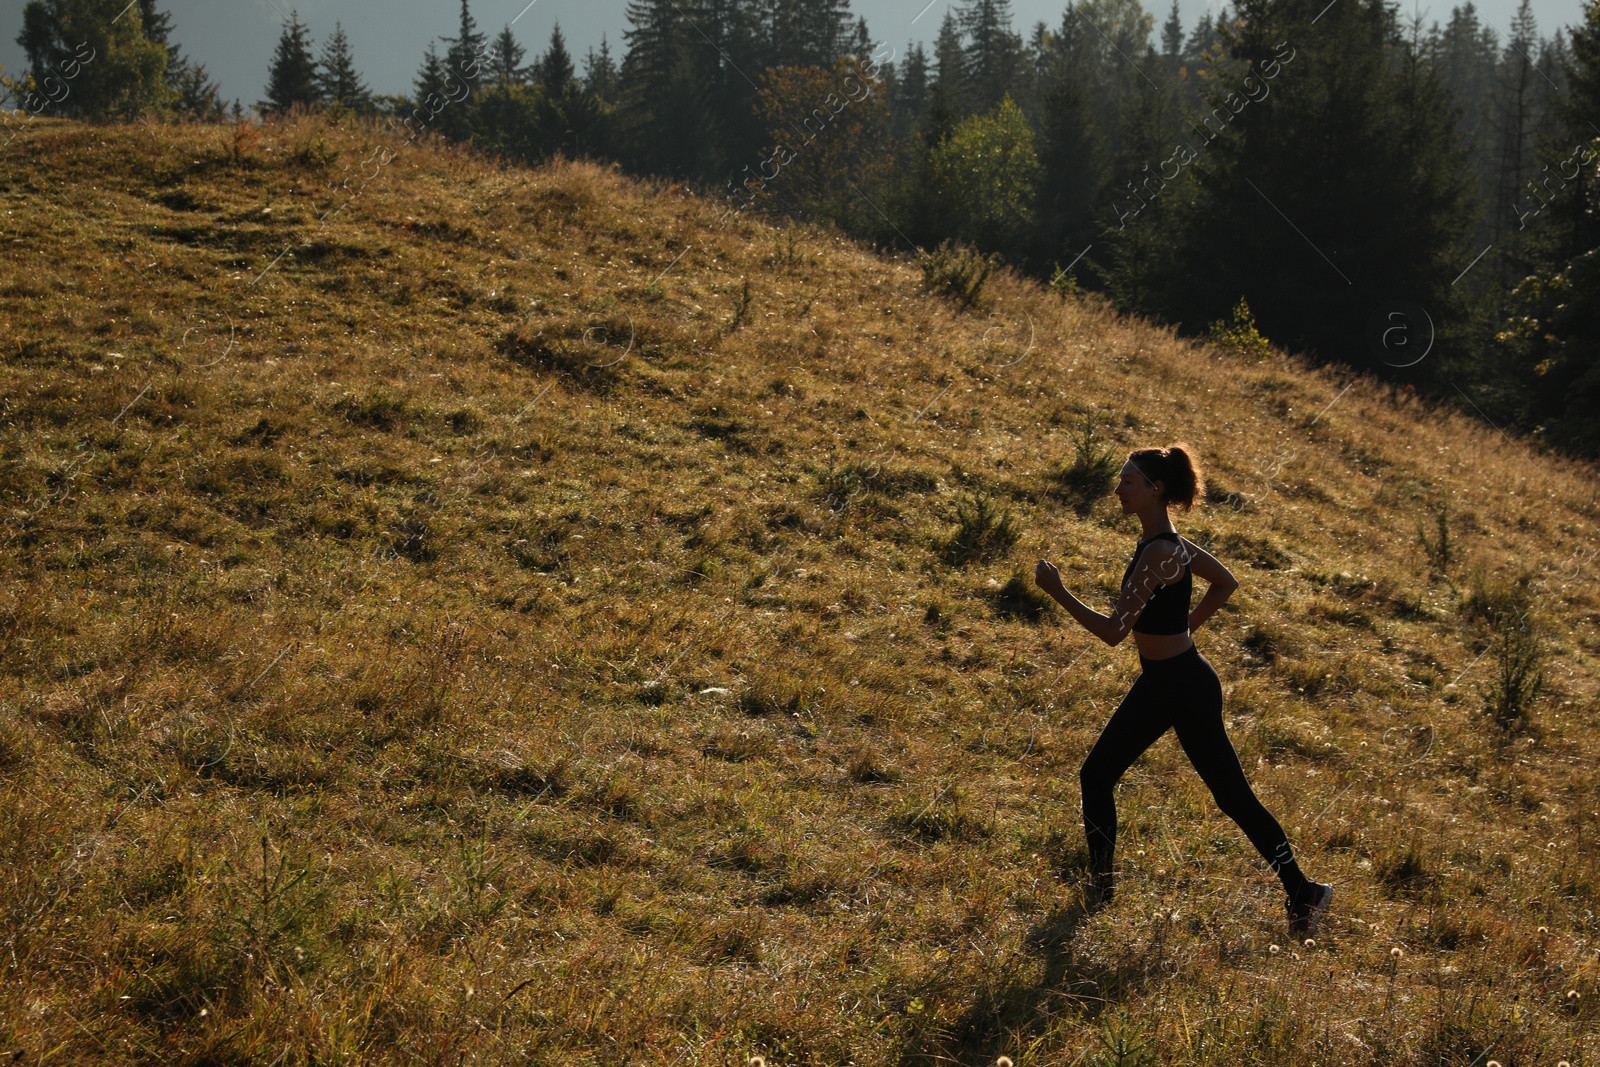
<point x="1223" y="583"/>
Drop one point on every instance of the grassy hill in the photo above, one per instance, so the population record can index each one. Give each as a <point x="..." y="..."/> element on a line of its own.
<point x="459" y="614"/>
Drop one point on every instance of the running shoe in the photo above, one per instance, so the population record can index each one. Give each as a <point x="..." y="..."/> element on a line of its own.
<point x="1306" y="912"/>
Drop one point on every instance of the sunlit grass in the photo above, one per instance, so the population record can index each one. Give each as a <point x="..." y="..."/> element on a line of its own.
<point x="516" y="620"/>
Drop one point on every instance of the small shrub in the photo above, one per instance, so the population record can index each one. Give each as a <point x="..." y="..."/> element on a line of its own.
<point x="958" y="272"/>
<point x="1438" y="548"/>
<point x="1125" y="1041"/>
<point x="982" y="532"/>
<point x="243" y="142"/>
<point x="1094" y="466"/>
<point x="267" y="916"/>
<point x="741" y="308"/>
<point x="1504" y="611"/>
<point x="1065" y="284"/>
<point x="1240" y="337"/>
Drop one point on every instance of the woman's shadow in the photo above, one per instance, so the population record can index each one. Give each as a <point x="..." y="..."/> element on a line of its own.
<point x="1051" y="979"/>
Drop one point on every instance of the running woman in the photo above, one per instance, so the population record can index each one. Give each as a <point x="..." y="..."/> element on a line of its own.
<point x="1177" y="686"/>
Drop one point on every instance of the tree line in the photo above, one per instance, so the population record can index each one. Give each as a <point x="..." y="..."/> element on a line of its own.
<point x="1370" y="189"/>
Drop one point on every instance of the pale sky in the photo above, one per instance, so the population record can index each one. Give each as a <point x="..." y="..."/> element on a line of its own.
<point x="235" y="38"/>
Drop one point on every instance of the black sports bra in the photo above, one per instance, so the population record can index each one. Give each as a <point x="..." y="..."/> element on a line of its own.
<point x="1167" y="610"/>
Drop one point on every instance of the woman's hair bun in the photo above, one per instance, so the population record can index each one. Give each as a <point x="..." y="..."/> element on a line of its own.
<point x="1176" y="468"/>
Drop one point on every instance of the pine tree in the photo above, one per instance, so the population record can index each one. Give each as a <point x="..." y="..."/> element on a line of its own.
<point x="1172" y="36"/>
<point x="1202" y="39"/>
<point x="505" y="59"/>
<point x="555" y="70"/>
<point x="825" y="31"/>
<point x="600" y="73"/>
<point x="1072" y="154"/>
<point x="98" y="52"/>
<point x="1465" y="55"/>
<point x="292" y="78"/>
<point x="910" y="98"/>
<point x="861" y="41"/>
<point x="667" y="119"/>
<point x="950" y="64"/>
<point x="993" y="52"/>
<point x="338" y="81"/>
<point x="467" y="57"/>
<point x="430" y="91"/>
<point x="1516" y="144"/>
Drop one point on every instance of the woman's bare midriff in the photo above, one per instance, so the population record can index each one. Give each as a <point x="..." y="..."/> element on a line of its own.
<point x="1162" y="646"/>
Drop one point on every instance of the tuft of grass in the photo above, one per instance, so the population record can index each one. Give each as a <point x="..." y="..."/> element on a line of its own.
<point x="941" y="816"/>
<point x="866" y="767"/>
<point x="1020" y="598"/>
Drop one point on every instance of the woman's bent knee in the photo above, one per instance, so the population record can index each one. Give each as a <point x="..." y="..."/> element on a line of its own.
<point x="1093" y="778"/>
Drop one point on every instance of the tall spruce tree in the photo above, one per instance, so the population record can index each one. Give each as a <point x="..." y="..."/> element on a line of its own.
<point x="468" y="54"/>
<point x="465" y="67"/>
<point x="688" y="85"/>
<point x="292" y="79"/>
<point x="1321" y="202"/>
<point x="910" y="98"/>
<point x="505" y="59"/>
<point x="950" y="64"/>
<point x="669" y="117"/>
<point x="556" y="73"/>
<point x="1517" y="92"/>
<point x="1465" y="54"/>
<point x="429" y="91"/>
<point x="993" y="52"/>
<point x="1172" y="36"/>
<point x="1072" y="155"/>
<point x="338" y="80"/>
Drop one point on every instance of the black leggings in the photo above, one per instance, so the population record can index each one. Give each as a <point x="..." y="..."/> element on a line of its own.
<point x="1183" y="692"/>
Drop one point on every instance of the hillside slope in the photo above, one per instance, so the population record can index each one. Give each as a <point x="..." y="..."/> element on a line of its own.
<point x="459" y="614"/>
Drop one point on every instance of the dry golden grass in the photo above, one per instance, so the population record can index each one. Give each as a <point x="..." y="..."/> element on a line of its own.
<point x="513" y="621"/>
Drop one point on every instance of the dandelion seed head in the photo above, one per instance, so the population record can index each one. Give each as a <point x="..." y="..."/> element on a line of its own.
<point x="1273" y="949"/>
<point x="1311" y="942"/>
<point x="1395" y="952"/>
